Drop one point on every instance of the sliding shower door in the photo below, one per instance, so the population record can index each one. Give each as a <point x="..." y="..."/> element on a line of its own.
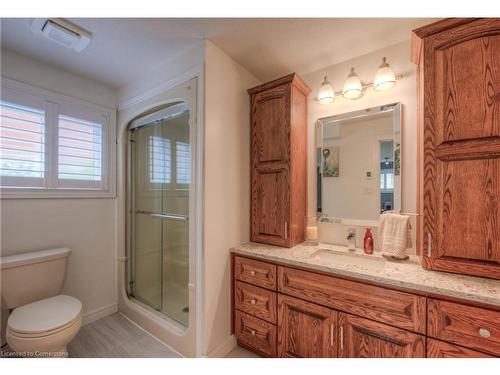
<point x="159" y="194"/>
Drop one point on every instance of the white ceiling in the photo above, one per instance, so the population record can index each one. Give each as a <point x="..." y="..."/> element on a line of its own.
<point x="122" y="49"/>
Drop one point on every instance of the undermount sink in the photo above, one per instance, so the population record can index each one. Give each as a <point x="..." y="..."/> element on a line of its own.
<point x="347" y="258"/>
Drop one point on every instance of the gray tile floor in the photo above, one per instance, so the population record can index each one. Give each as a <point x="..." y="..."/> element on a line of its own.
<point x="115" y="336"/>
<point x="240" y="352"/>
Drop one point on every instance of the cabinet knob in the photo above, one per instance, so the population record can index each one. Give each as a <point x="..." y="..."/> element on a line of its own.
<point x="252" y="332"/>
<point x="253" y="301"/>
<point x="252" y="273"/>
<point x="483" y="332"/>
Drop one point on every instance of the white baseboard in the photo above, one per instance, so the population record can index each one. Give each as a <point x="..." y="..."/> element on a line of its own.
<point x="223" y="349"/>
<point x="99" y="313"/>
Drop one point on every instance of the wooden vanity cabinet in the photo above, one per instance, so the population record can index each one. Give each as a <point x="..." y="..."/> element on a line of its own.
<point x="285" y="311"/>
<point x="458" y="119"/>
<point x="364" y="338"/>
<point x="306" y="330"/>
<point x="279" y="161"/>
<point x="441" y="349"/>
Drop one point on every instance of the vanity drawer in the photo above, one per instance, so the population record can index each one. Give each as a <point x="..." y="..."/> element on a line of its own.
<point x="441" y="349"/>
<point x="473" y="327"/>
<point x="255" y="333"/>
<point x="255" y="301"/>
<point x="255" y="272"/>
<point x="399" y="309"/>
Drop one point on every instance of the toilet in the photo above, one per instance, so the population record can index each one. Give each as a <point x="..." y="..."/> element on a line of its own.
<point x="42" y="322"/>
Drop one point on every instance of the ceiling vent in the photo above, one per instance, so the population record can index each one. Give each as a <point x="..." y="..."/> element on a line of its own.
<point x="62" y="32"/>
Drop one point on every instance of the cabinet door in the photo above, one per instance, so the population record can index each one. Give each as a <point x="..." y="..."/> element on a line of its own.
<point x="271" y="126"/>
<point x="305" y="330"/>
<point x="441" y="349"/>
<point x="461" y="156"/>
<point x="270" y="206"/>
<point x="363" y="338"/>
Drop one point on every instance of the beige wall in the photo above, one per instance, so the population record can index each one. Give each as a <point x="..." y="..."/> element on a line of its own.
<point x="86" y="226"/>
<point x="227" y="184"/>
<point x="170" y="69"/>
<point x="398" y="57"/>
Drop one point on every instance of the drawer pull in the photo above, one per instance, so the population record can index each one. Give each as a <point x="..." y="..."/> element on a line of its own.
<point x="252" y="273"/>
<point x="252" y="332"/>
<point x="429" y="244"/>
<point x="253" y="301"/>
<point x="483" y="332"/>
<point x="331" y="334"/>
<point x="341" y="338"/>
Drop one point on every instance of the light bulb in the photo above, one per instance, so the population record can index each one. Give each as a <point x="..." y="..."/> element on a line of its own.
<point x="352" y="86"/>
<point x="384" y="78"/>
<point x="326" y="94"/>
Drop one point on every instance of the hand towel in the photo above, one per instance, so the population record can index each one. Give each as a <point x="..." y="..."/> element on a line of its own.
<point x="394" y="234"/>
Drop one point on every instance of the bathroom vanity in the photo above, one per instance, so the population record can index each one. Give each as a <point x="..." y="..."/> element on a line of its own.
<point x="324" y="301"/>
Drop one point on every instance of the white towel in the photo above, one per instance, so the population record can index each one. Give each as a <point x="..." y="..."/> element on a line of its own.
<point x="394" y="234"/>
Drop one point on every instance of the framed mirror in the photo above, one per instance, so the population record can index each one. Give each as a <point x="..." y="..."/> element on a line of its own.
<point x="359" y="165"/>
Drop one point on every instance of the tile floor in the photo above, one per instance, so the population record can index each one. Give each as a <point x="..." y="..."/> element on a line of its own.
<point x="117" y="337"/>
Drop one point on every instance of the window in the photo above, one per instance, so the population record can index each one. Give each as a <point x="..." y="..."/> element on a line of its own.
<point x="51" y="145"/>
<point x="167" y="166"/>
<point x="160" y="160"/>
<point x="80" y="150"/>
<point x="22" y="144"/>
<point x="389" y="180"/>
<point x="183" y="162"/>
<point x="386" y="180"/>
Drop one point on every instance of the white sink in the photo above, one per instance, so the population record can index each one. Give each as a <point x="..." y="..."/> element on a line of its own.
<point x="341" y="257"/>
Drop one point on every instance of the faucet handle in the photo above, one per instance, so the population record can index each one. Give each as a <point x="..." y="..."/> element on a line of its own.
<point x="351" y="233"/>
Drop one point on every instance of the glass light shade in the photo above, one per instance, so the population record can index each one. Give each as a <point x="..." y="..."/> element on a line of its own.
<point x="326" y="94"/>
<point x="384" y="78"/>
<point x="352" y="86"/>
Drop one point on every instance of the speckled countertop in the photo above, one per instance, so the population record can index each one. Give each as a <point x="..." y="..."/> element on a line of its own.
<point x="406" y="274"/>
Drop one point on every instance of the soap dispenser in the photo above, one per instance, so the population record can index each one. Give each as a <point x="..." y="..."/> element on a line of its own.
<point x="368" y="242"/>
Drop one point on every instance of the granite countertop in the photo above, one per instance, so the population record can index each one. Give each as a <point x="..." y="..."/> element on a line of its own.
<point x="406" y="274"/>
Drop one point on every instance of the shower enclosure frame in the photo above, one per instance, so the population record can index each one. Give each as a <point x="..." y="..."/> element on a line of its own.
<point x="153" y="321"/>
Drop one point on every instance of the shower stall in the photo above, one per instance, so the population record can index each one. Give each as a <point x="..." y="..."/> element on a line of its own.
<point x="159" y="188"/>
<point x="159" y="215"/>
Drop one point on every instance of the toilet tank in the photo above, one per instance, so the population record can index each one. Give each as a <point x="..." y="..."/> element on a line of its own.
<point x="32" y="276"/>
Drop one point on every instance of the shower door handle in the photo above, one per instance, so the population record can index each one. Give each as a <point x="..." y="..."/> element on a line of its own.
<point x="170" y="217"/>
<point x="164" y="216"/>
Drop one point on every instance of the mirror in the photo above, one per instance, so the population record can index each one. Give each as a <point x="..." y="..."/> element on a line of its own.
<point x="359" y="165"/>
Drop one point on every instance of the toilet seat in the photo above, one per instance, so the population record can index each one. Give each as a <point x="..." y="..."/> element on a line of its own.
<point x="34" y="335"/>
<point x="45" y="317"/>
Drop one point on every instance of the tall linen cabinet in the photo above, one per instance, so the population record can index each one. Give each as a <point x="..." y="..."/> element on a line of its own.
<point x="279" y="161"/>
<point x="459" y="145"/>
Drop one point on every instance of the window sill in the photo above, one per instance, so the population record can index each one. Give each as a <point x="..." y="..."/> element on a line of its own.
<point x="9" y="193"/>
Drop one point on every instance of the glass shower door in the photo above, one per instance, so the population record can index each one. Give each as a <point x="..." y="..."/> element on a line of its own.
<point x="160" y="181"/>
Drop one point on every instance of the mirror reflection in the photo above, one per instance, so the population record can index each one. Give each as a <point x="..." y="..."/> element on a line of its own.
<point x="359" y="164"/>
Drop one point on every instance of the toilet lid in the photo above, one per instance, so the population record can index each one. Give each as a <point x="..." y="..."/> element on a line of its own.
<point x="45" y="315"/>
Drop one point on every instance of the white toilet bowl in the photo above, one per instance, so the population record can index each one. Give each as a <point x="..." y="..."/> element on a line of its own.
<point x="42" y="321"/>
<point x="45" y="327"/>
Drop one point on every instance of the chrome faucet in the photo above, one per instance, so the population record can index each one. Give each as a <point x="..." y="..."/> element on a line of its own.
<point x="351" y="239"/>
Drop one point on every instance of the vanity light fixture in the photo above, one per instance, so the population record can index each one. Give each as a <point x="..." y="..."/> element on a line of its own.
<point x="326" y="94"/>
<point x="384" y="78"/>
<point x="352" y="86"/>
